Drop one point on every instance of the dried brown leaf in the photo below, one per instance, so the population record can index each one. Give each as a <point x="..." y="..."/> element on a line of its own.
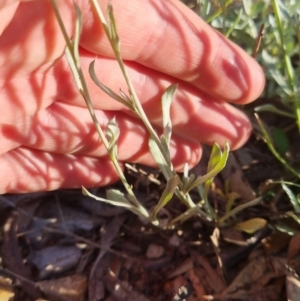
<point x="70" y="288"/>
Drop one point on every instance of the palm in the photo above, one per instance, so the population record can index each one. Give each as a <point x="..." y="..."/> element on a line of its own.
<point x="47" y="136"/>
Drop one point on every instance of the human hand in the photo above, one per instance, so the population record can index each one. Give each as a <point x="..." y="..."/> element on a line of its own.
<point x="48" y="140"/>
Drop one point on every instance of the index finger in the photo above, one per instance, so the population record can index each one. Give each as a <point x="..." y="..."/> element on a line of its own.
<point x="168" y="37"/>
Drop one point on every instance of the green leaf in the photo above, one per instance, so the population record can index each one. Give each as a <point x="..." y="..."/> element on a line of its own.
<point x="293" y="198"/>
<point x="273" y="149"/>
<point x="280" y="140"/>
<point x="273" y="109"/>
<point x="238" y="209"/>
<point x="234" y="24"/>
<point x="166" y="195"/>
<point x="251" y="225"/>
<point x="214" y="158"/>
<point x="166" y="105"/>
<point x="216" y="163"/>
<point x="286" y="229"/>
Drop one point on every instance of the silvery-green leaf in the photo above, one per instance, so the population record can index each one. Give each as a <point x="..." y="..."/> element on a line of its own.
<point x="112" y="132"/>
<point x="118" y="201"/>
<point x="122" y="202"/>
<point x="200" y="189"/>
<point x="166" y="195"/>
<point x="74" y="70"/>
<point x="135" y="207"/>
<point x="188" y="182"/>
<point x="166" y="105"/>
<point x="112" y="27"/>
<point x="159" y="158"/>
<point x="104" y="88"/>
<point x="247" y="6"/>
<point x="78" y="27"/>
<point x="165" y="145"/>
<point x="273" y="109"/>
<point x="189" y="213"/>
<point x="124" y="95"/>
<point x="117" y="195"/>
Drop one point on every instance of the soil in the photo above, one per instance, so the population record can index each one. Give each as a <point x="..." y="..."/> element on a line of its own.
<point x="62" y="245"/>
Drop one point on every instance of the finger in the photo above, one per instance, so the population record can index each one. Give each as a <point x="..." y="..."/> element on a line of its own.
<point x="65" y="129"/>
<point x="194" y="114"/>
<point x="7" y="11"/>
<point x="171" y="39"/>
<point x="27" y="170"/>
<point x="33" y="38"/>
<point x="174" y="40"/>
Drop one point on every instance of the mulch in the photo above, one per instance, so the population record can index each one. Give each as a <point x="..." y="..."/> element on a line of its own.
<point x="62" y="245"/>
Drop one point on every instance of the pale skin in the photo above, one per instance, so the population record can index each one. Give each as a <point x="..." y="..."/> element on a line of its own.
<point x="47" y="137"/>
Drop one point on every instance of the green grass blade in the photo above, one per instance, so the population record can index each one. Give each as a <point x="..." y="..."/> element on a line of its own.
<point x="273" y="150"/>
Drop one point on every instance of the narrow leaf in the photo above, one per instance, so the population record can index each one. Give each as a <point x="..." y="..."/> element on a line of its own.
<point x="166" y="195"/>
<point x="213" y="172"/>
<point x="214" y="158"/>
<point x="166" y="106"/>
<point x="165" y="145"/>
<point x="293" y="198"/>
<point x="78" y="27"/>
<point x="105" y="89"/>
<point x="273" y="109"/>
<point x="281" y="140"/>
<point x="112" y="27"/>
<point x="188" y="182"/>
<point x="238" y="209"/>
<point x="121" y="202"/>
<point x="159" y="158"/>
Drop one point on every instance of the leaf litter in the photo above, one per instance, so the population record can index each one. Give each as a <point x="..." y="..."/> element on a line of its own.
<point x="62" y="245"/>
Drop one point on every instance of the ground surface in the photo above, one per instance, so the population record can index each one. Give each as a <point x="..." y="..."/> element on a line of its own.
<point x="62" y="245"/>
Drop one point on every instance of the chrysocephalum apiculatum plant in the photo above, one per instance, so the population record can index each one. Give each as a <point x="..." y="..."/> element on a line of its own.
<point x="158" y="145"/>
